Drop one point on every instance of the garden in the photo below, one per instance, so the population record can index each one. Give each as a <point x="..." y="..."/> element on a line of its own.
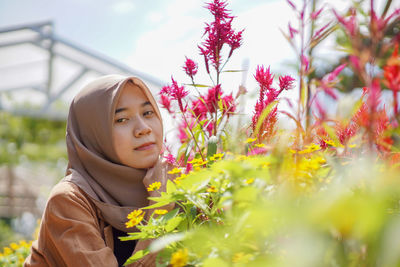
<point x="295" y="183"/>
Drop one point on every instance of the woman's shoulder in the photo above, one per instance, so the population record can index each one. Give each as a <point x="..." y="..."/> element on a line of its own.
<point x="66" y="192"/>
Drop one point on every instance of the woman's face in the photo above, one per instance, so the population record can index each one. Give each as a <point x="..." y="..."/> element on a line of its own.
<point x="137" y="131"/>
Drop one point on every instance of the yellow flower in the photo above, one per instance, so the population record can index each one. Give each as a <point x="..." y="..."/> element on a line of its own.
<point x="179" y="258"/>
<point x="161" y="211"/>
<point x="200" y="163"/>
<point x="241" y="257"/>
<point x="241" y="157"/>
<point x="7" y="251"/>
<point x="177" y="180"/>
<point x="249" y="181"/>
<point x="250" y="140"/>
<point x="259" y="145"/>
<point x="135" y="217"/>
<point x="195" y="160"/>
<point x="310" y="148"/>
<point x="175" y="171"/>
<point x="14" y="246"/>
<point x="217" y="156"/>
<point x="154" y="186"/>
<point x="212" y="189"/>
<point x="329" y="142"/>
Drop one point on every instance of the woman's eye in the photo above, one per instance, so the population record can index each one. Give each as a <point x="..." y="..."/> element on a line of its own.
<point x="148" y="113"/>
<point x="121" y="120"/>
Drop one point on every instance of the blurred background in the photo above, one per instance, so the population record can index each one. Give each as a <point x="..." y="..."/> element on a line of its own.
<point x="49" y="49"/>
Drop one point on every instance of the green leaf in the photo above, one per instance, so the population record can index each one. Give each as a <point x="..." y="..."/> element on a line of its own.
<point x="138" y="255"/>
<point x="215" y="262"/>
<point x="171" y="187"/>
<point x="133" y="236"/>
<point x="170" y="215"/>
<point x="197" y="85"/>
<point x="173" y="223"/>
<point x="264" y="115"/>
<point x="233" y="70"/>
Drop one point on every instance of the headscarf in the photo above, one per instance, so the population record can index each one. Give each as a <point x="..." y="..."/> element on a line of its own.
<point x="93" y="165"/>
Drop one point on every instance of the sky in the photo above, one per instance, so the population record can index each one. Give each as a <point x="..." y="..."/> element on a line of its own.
<point x="155" y="36"/>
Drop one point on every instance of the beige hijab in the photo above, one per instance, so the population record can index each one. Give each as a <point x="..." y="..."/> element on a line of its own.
<point x="93" y="165"/>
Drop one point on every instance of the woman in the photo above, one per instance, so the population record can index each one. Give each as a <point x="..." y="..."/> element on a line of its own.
<point x="114" y="141"/>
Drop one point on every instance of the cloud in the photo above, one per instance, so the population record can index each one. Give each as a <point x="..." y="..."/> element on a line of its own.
<point x="123" y="7"/>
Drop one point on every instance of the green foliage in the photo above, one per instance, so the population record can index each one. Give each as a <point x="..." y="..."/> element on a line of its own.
<point x="32" y="138"/>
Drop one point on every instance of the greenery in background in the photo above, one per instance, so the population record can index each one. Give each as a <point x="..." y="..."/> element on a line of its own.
<point x="32" y="139"/>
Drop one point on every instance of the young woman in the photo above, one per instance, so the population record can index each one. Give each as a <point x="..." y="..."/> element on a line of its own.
<point x="114" y="141"/>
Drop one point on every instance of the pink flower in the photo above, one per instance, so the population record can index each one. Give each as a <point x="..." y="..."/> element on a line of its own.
<point x="351" y="24"/>
<point x="190" y="67"/>
<point x="292" y="31"/>
<point x="228" y="105"/>
<point x="315" y="14"/>
<point x="333" y="75"/>
<point x="170" y="159"/>
<point x="264" y="79"/>
<point x="257" y="151"/>
<point x="212" y="98"/>
<point x="291" y="4"/>
<point x="177" y="92"/>
<point x="286" y="82"/>
<point x="355" y="61"/>
<point x="218" y="33"/>
<point x="317" y="33"/>
<point x="305" y="63"/>
<point x="199" y="108"/>
<point x="166" y="103"/>
<point x="235" y="42"/>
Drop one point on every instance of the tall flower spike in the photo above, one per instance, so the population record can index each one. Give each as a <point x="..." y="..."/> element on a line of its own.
<point x="190" y="67"/>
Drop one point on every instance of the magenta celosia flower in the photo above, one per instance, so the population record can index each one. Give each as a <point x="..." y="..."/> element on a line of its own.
<point x="228" y="105"/>
<point x="190" y="67"/>
<point x="355" y="61"/>
<point x="333" y="75"/>
<point x="305" y="62"/>
<point x="286" y="82"/>
<point x="199" y="108"/>
<point x="291" y="4"/>
<point x="317" y="33"/>
<point x="218" y="33"/>
<point x="257" y="151"/>
<point x="292" y="31"/>
<point x="264" y="78"/>
<point x="213" y="96"/>
<point x="177" y="92"/>
<point x="329" y="80"/>
<point x="350" y="24"/>
<point x="166" y="103"/>
<point x="170" y="159"/>
<point x="315" y="14"/>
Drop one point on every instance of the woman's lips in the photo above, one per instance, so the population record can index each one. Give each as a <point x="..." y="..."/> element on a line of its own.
<point x="146" y="146"/>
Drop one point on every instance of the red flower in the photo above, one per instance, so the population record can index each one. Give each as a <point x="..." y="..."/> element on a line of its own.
<point x="190" y="67"/>
<point x="392" y="76"/>
<point x="286" y="82"/>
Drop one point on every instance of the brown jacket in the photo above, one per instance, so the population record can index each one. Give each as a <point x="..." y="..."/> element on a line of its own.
<point x="73" y="233"/>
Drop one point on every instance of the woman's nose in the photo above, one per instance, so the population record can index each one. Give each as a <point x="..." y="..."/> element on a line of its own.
<point x="141" y="129"/>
